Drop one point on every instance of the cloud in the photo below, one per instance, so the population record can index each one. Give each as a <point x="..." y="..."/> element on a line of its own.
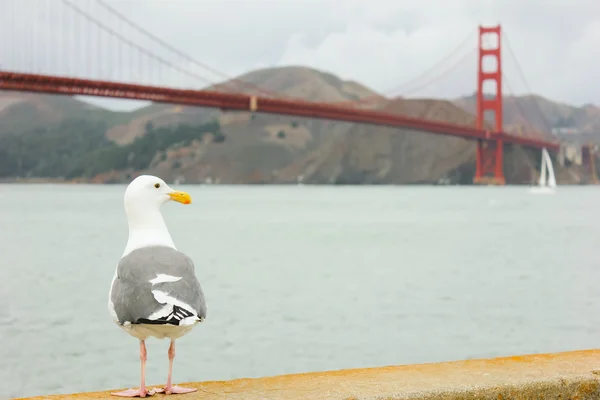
<point x="381" y="43"/>
<point x="552" y="42"/>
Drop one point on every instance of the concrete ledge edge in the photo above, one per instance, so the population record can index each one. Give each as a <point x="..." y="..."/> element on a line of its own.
<point x="566" y="375"/>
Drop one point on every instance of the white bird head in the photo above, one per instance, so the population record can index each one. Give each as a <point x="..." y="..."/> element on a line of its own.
<point x="147" y="191"/>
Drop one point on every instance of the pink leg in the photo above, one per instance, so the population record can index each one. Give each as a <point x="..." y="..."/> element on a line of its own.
<point x="169" y="388"/>
<point x="142" y="391"/>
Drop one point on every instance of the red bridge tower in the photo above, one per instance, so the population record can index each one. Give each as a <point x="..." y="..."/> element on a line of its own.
<point x="490" y="152"/>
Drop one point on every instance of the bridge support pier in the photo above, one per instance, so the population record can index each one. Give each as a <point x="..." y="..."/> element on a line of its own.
<point x="489" y="163"/>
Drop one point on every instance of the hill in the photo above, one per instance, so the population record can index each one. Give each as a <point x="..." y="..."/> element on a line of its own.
<point x="276" y="149"/>
<point x="61" y="137"/>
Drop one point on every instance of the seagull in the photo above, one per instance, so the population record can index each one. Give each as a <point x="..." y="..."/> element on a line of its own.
<point x="154" y="292"/>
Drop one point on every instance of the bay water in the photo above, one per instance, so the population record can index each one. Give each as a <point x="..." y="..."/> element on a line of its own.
<point x="300" y="278"/>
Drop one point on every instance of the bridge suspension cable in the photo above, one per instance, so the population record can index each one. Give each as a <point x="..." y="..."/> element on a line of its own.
<point x="228" y="79"/>
<point x="95" y="43"/>
<point x="439" y="64"/>
<point x="74" y="41"/>
<point x="441" y="75"/>
<point x="524" y="79"/>
<point x="520" y="109"/>
<point x="394" y="92"/>
<point x="132" y="44"/>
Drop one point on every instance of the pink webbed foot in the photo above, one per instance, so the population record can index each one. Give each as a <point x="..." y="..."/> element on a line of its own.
<point x="134" y="393"/>
<point x="176" y="390"/>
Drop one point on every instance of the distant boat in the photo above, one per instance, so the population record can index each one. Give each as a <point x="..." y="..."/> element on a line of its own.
<point x="547" y="181"/>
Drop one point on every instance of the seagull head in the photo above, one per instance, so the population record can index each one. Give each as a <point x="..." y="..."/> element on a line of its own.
<point x="151" y="191"/>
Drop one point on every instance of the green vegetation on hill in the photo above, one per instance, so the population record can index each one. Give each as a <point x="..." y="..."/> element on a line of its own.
<point x="79" y="148"/>
<point x="50" y="151"/>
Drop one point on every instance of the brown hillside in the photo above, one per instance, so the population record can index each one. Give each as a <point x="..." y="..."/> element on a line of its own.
<point x="324" y="151"/>
<point x="269" y="148"/>
<point x="367" y="154"/>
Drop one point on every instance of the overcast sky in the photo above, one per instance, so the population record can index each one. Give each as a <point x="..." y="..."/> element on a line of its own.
<point x="380" y="43"/>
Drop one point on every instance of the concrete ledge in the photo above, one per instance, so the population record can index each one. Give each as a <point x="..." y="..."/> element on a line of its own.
<point x="569" y="375"/>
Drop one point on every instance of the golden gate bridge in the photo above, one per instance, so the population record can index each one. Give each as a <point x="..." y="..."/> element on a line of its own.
<point x="85" y="49"/>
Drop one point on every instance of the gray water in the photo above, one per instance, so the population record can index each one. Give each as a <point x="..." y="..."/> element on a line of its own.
<point x="300" y="279"/>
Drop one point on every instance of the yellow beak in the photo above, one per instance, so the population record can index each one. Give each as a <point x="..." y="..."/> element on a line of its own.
<point x="181" y="197"/>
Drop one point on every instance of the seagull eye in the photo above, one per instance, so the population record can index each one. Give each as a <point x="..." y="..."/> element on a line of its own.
<point x="157" y="185"/>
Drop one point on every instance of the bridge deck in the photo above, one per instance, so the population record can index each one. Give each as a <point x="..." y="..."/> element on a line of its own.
<point x="244" y="102"/>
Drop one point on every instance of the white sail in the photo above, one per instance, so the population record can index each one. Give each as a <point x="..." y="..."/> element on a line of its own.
<point x="551" y="177"/>
<point x="542" y="181"/>
<point x="547" y="181"/>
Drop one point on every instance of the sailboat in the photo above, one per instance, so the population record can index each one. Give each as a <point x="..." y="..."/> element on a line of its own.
<point x="547" y="181"/>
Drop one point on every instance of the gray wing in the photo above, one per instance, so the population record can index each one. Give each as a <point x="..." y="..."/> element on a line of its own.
<point x="157" y="285"/>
